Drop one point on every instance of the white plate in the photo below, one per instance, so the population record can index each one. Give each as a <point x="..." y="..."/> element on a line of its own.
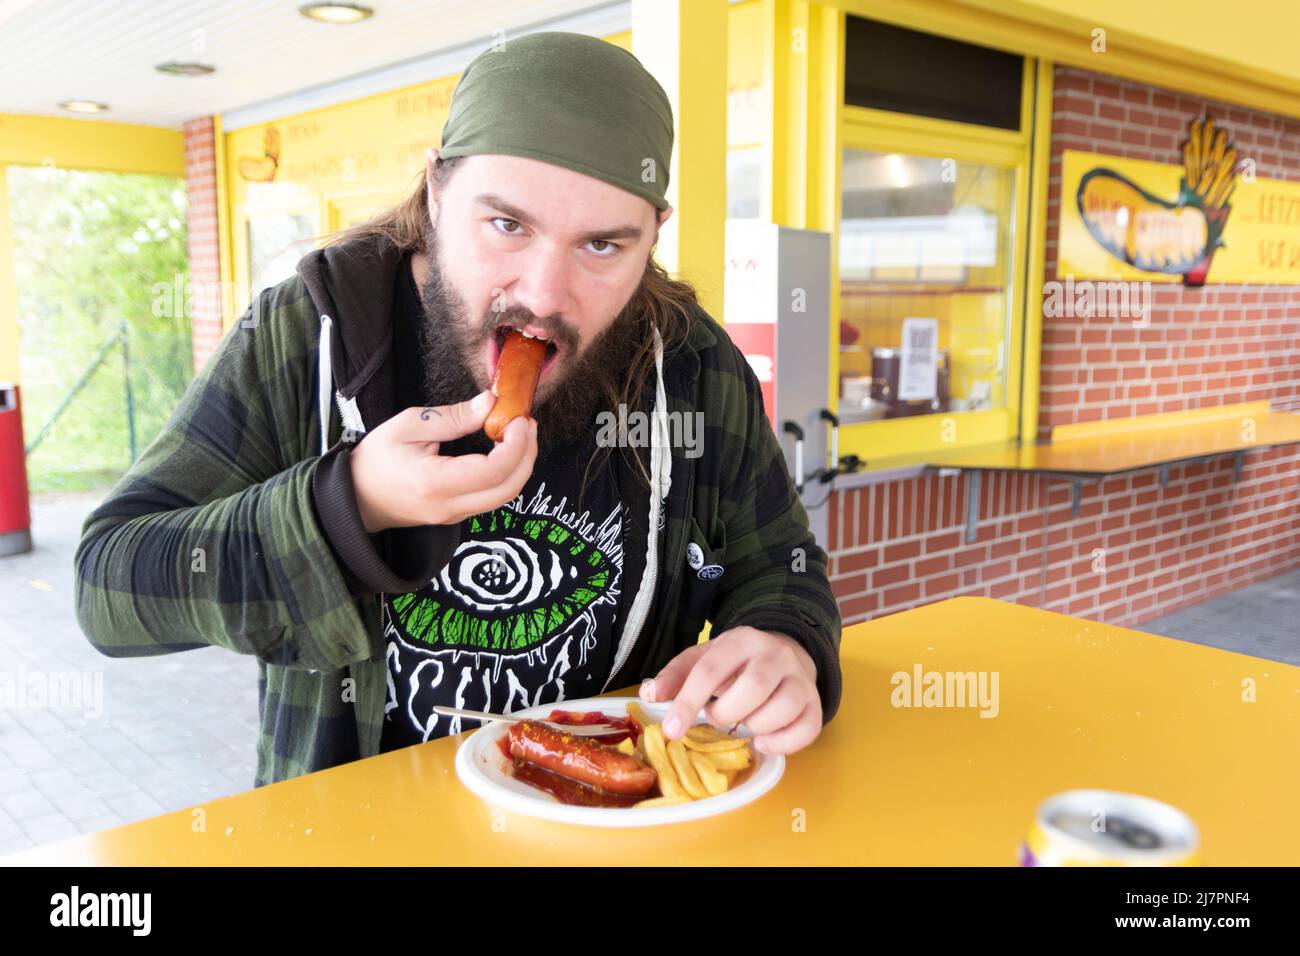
<point x="483" y="768"/>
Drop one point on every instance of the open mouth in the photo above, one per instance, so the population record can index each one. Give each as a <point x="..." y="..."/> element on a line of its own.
<point x="499" y="339"/>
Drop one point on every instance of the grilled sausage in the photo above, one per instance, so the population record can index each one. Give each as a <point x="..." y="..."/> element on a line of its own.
<point x="518" y="370"/>
<point x="580" y="758"/>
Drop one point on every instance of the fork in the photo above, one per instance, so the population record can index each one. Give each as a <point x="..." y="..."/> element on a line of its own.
<point x="576" y="730"/>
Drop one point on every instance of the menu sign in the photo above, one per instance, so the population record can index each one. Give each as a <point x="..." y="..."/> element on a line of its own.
<point x="919" y="374"/>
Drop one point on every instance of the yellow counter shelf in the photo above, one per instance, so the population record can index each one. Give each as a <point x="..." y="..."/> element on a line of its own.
<point x="1095" y="450"/>
<point x="1133" y="449"/>
<point x="1078" y="705"/>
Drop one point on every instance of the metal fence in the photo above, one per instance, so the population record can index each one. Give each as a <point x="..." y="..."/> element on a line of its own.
<point x="106" y="412"/>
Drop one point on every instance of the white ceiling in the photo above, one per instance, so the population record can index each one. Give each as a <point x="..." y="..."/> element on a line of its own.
<point x="106" y="50"/>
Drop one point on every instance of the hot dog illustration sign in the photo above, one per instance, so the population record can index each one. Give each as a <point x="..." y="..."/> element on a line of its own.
<point x="1209" y="219"/>
<point x="1178" y="236"/>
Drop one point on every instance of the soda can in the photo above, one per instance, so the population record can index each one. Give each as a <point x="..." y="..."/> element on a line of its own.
<point x="1106" y="828"/>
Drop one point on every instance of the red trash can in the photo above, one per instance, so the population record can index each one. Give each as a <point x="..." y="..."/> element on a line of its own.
<point x="15" y="504"/>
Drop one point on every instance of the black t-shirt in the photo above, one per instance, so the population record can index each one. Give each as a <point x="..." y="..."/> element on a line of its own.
<point x="527" y="610"/>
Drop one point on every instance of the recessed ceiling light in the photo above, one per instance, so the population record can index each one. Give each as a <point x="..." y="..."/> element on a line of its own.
<point x="336" y="12"/>
<point x="83" y="106"/>
<point x="185" y="69"/>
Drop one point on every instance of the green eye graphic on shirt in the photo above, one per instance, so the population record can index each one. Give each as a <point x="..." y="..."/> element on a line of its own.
<point x="516" y="582"/>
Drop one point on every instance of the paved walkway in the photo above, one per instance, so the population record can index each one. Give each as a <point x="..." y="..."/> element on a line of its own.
<point x="174" y="730"/>
<point x="180" y="729"/>
<point x="1262" y="620"/>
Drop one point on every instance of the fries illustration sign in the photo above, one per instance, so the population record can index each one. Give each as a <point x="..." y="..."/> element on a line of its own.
<point x="1192" y="223"/>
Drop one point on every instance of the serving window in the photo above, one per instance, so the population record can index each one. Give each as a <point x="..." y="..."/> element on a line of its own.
<point x="925" y="277"/>
<point x="931" y="238"/>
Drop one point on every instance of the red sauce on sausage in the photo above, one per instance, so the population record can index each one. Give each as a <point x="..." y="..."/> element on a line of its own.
<point x="575" y="792"/>
<point x="630" y="728"/>
<point x="571" y="791"/>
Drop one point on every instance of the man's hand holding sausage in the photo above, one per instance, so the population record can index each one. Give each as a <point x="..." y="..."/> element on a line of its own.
<point x="763" y="679"/>
<point x="400" y="480"/>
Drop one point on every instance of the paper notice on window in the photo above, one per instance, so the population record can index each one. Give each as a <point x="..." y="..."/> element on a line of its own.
<point x="918" y="377"/>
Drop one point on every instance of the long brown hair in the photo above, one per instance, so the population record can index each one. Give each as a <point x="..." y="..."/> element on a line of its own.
<point x="660" y="301"/>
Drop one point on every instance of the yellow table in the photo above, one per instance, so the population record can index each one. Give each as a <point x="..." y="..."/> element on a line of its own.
<point x="1081" y="704"/>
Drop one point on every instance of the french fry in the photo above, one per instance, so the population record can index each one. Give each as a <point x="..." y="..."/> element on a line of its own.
<point x="656" y="753"/>
<point x="637" y="713"/>
<point x="1194" y="147"/>
<point x="686" y="775"/>
<point x="1221" y="199"/>
<point x="713" y="746"/>
<point x="737" y="759"/>
<point x="1220" y="146"/>
<point x="707" y="732"/>
<point x="662" y="802"/>
<point x="1223" y="185"/>
<point x="1203" y="186"/>
<point x="710" y="776"/>
<point x="626" y="746"/>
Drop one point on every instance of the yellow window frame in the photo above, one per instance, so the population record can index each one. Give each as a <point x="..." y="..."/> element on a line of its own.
<point x="890" y="132"/>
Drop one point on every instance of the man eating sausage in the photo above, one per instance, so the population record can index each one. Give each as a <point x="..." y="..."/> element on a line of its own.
<point x="381" y="556"/>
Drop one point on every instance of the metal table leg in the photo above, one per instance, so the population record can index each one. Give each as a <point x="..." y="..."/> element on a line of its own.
<point x="972" y="505"/>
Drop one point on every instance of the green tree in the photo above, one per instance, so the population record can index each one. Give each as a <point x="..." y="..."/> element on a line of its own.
<point x="91" y="252"/>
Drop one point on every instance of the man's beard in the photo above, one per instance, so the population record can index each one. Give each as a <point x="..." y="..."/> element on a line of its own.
<point x="450" y="341"/>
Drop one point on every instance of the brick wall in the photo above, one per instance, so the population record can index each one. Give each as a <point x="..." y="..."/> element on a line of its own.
<point x="205" y="267"/>
<point x="1137" y="550"/>
<point x="1216" y="345"/>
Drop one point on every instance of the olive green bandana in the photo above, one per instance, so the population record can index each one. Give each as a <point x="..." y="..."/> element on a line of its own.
<point x="569" y="99"/>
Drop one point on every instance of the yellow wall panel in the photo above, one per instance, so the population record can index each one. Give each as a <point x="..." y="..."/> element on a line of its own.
<point x="90" y="144"/>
